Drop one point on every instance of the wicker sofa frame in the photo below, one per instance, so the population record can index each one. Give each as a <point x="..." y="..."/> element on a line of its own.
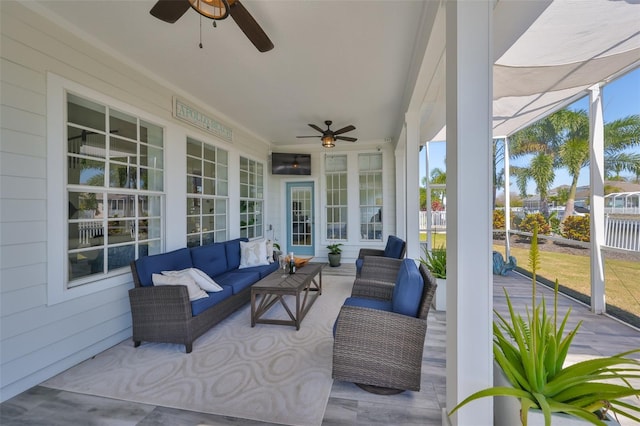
<point x="382" y="349"/>
<point x="163" y="314"/>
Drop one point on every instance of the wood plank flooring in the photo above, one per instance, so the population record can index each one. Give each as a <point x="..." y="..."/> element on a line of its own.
<point x="348" y="404"/>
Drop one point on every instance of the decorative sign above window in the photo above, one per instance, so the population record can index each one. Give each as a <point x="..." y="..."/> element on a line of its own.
<point x="200" y="120"/>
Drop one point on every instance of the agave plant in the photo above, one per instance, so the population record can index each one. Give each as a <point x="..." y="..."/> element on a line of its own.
<point x="436" y="261"/>
<point x="532" y="351"/>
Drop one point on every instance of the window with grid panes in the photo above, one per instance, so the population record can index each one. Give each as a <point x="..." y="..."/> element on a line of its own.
<point x="371" y="202"/>
<point x="336" y="209"/>
<point x="251" y="198"/>
<point x="114" y="183"/>
<point x="207" y="193"/>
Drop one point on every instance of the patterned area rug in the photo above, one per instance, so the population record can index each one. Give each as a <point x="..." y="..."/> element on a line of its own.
<point x="269" y="373"/>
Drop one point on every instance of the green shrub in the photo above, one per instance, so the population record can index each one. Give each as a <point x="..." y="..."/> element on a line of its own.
<point x="498" y="223"/>
<point x="554" y="222"/>
<point x="576" y="228"/>
<point x="531" y="220"/>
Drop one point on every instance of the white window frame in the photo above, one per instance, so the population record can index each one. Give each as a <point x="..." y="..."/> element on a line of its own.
<point x="203" y="196"/>
<point x="57" y="234"/>
<point x="342" y="175"/>
<point x="259" y="192"/>
<point x="364" y="219"/>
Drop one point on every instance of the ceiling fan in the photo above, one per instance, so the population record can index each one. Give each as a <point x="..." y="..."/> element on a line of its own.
<point x="171" y="10"/>
<point x="329" y="136"/>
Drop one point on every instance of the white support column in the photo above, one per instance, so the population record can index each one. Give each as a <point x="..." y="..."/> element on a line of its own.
<point x="596" y="181"/>
<point x="507" y="200"/>
<point x="412" y="188"/>
<point x="401" y="184"/>
<point x="469" y="91"/>
<point x="428" y="197"/>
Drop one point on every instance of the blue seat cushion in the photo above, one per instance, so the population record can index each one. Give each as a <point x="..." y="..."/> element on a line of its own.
<point x="381" y="305"/>
<point x="232" y="248"/>
<point x="171" y="261"/>
<point x="263" y="270"/>
<point x="201" y="305"/>
<point x="408" y="289"/>
<point x="359" y="263"/>
<point x="211" y="259"/>
<point x="238" y="280"/>
<point x="394" y="247"/>
<point x="362" y="302"/>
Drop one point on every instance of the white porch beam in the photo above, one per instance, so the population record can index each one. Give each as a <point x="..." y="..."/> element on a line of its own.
<point x="596" y="181"/>
<point x="412" y="186"/>
<point x="507" y="200"/>
<point x="469" y="92"/>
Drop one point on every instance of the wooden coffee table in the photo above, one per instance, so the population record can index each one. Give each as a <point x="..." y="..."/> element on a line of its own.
<point x="303" y="285"/>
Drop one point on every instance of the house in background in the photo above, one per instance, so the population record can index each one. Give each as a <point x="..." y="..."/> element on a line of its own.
<point x="186" y="136"/>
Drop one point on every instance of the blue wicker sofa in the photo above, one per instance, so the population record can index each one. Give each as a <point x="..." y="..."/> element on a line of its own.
<point x="166" y="314"/>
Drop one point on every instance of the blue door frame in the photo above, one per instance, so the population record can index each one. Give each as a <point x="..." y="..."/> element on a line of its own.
<point x="300" y="218"/>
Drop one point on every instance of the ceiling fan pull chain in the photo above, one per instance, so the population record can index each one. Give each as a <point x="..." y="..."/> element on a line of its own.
<point x="200" y="44"/>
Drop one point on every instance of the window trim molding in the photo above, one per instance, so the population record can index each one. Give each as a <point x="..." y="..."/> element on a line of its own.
<point x="57" y="240"/>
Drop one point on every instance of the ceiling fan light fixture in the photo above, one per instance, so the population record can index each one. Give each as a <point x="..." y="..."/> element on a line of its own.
<point x="213" y="9"/>
<point x="328" y="141"/>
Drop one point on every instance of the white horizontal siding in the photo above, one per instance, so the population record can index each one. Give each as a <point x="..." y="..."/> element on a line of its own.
<point x="40" y="340"/>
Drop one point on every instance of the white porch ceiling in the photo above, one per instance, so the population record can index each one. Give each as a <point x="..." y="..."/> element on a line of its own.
<point x="362" y="62"/>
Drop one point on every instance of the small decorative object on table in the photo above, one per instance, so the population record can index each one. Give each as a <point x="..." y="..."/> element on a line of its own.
<point x="292" y="264"/>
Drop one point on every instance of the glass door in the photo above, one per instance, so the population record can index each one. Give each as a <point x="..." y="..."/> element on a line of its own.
<point x="300" y="219"/>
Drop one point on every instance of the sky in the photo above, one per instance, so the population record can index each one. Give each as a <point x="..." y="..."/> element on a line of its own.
<point x="621" y="98"/>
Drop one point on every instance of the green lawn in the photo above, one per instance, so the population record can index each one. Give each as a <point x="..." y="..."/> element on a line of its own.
<point x="573" y="271"/>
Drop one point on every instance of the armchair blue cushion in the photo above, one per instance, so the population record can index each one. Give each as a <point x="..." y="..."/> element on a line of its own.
<point x="407" y="292"/>
<point x="394" y="248"/>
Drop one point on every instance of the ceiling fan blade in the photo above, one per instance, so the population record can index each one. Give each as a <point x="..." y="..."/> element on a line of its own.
<point x="249" y="26"/>
<point x="313" y="126"/>
<point x="307" y="137"/>
<point x="344" y="130"/>
<point x="169" y="10"/>
<point x="346" y="138"/>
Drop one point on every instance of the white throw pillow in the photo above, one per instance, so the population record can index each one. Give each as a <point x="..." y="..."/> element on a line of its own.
<point x="253" y="253"/>
<point x="195" y="292"/>
<point x="200" y="277"/>
<point x="204" y="281"/>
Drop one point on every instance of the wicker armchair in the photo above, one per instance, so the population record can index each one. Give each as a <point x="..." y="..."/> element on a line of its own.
<point x="382" y="351"/>
<point x="395" y="249"/>
<point x="377" y="278"/>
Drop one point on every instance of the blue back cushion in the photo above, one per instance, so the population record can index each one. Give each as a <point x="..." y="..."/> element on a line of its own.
<point x="171" y="261"/>
<point x="408" y="289"/>
<point x="211" y="259"/>
<point x="232" y="248"/>
<point x="394" y="247"/>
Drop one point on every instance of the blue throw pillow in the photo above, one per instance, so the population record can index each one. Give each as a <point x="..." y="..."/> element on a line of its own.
<point x="394" y="247"/>
<point x="408" y="289"/>
<point x="175" y="260"/>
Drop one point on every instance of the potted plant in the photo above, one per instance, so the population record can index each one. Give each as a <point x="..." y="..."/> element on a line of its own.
<point x="436" y="262"/>
<point x="531" y="351"/>
<point x="334" y="254"/>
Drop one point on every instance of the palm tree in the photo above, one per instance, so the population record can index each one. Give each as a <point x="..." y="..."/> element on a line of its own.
<point x="564" y="136"/>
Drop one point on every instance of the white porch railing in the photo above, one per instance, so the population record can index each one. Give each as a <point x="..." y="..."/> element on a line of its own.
<point x="438" y="220"/>
<point x="622" y="233"/>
